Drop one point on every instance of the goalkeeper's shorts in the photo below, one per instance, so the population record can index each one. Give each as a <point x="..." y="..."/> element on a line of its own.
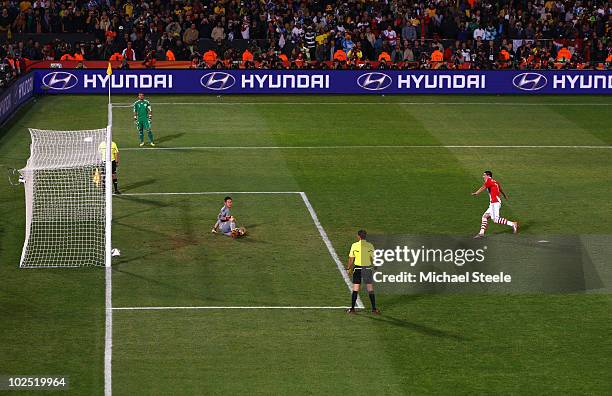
<point x="143" y="124"/>
<point x="227" y="226"/>
<point x="363" y="274"/>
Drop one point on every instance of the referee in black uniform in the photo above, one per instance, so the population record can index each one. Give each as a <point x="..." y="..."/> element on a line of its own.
<point x="360" y="261"/>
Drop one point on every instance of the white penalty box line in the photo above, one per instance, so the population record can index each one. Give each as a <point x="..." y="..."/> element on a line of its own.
<point x="315" y="219"/>
<point x="212" y="307"/>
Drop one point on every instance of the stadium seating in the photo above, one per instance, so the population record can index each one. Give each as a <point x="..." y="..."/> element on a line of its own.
<point x="468" y="34"/>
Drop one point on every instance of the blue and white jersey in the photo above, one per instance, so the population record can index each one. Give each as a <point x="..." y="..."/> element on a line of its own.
<point x="223" y="213"/>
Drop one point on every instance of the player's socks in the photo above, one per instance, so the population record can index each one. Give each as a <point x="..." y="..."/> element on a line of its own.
<point x="483" y="225"/>
<point x="150" y="134"/>
<point x="354" y="299"/>
<point x="115" y="184"/>
<point x="141" y="137"/>
<point x="501" y="220"/>
<point x="372" y="300"/>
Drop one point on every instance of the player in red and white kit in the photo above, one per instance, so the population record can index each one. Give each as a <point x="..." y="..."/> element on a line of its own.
<point x="494" y="205"/>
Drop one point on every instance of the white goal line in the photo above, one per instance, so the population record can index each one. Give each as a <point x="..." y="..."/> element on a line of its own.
<point x="224" y="307"/>
<point x="108" y="331"/>
<point x="366" y="147"/>
<point x="129" y="105"/>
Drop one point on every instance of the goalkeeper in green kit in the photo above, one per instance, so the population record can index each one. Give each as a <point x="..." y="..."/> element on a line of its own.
<point x="142" y="118"/>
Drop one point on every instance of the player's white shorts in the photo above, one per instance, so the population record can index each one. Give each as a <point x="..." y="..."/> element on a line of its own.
<point x="493" y="210"/>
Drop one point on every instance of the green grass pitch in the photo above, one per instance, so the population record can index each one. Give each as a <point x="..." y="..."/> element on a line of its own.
<point x="52" y="321"/>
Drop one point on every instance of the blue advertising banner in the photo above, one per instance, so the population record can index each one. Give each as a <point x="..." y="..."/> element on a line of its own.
<point x="56" y="81"/>
<point x="15" y="95"/>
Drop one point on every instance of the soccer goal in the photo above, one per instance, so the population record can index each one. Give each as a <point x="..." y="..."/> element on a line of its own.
<point x="66" y="199"/>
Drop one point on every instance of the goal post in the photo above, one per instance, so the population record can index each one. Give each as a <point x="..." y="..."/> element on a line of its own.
<point x="67" y="199"/>
<point x="108" y="188"/>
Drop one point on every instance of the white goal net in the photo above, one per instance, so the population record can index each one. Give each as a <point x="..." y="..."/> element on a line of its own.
<point x="65" y="199"/>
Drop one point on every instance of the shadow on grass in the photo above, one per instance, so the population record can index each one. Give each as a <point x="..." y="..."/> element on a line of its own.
<point x="426" y="330"/>
<point x="146" y="201"/>
<point x="249" y="239"/>
<point x="167" y="138"/>
<point x="525" y="226"/>
<point x="180" y="291"/>
<point x="142" y="229"/>
<point x="153" y="205"/>
<point x="132" y="186"/>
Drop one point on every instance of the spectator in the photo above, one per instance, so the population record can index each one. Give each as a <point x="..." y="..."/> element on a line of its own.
<point x="173" y="28"/>
<point x="408" y="31"/>
<point x="210" y="57"/>
<point x="340" y="56"/>
<point x="397" y="55"/>
<point x="534" y="34"/>
<point x="129" y="53"/>
<point x="390" y="36"/>
<point x="170" y="55"/>
<point x="347" y="43"/>
<point x="564" y="55"/>
<point x="479" y="33"/>
<point x="247" y="56"/>
<point x="218" y="32"/>
<point x="309" y="38"/>
<point x="190" y="37"/>
<point x="355" y="55"/>
<point x="384" y="56"/>
<point x="408" y="55"/>
<point x="5" y="21"/>
<point x="437" y="57"/>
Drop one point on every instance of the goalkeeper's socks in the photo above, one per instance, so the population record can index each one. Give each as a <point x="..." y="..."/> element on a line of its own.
<point x="372" y="300"/>
<point x="354" y="299"/>
<point x="115" y="185"/>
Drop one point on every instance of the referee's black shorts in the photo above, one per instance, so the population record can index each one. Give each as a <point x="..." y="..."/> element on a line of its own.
<point x="113" y="167"/>
<point x="363" y="274"/>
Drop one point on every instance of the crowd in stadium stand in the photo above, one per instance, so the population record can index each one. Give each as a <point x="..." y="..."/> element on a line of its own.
<point x="461" y="34"/>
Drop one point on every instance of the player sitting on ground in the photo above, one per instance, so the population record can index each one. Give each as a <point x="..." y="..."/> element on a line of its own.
<point x="494" y="205"/>
<point x="226" y="223"/>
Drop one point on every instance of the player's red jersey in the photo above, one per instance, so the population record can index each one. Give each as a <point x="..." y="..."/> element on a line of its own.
<point x="493" y="188"/>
